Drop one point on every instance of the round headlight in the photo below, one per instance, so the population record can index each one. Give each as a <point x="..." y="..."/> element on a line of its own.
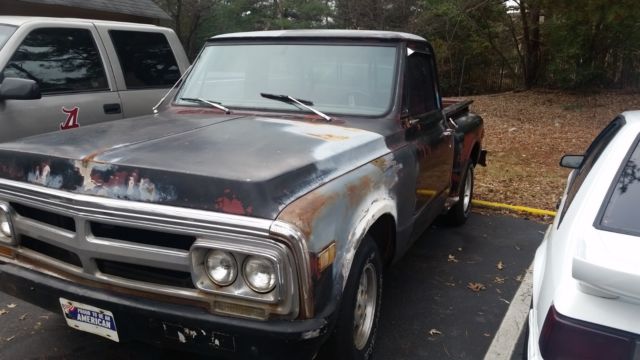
<point x="260" y="274"/>
<point x="221" y="267"/>
<point x="5" y="226"/>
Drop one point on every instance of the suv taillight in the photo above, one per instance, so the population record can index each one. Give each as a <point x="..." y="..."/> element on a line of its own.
<point x="565" y="338"/>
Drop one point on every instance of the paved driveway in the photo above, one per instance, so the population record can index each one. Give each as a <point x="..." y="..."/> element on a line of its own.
<point x="428" y="309"/>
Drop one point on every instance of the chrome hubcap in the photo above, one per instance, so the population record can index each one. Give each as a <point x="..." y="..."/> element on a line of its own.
<point x="468" y="182"/>
<point x="365" y="310"/>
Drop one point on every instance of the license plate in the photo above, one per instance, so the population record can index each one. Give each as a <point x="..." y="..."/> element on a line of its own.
<point x="89" y="319"/>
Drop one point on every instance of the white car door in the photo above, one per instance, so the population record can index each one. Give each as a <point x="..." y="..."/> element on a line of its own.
<point x="68" y="61"/>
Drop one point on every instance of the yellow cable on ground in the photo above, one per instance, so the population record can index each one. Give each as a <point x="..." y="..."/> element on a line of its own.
<point x="513" y="207"/>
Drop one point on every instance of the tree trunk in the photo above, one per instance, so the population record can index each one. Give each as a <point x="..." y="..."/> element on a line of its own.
<point x="530" y="18"/>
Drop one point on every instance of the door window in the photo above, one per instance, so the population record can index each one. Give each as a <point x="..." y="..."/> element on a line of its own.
<point x="620" y="208"/>
<point x="420" y="96"/>
<point x="590" y="157"/>
<point x="60" y="60"/>
<point x="146" y="59"/>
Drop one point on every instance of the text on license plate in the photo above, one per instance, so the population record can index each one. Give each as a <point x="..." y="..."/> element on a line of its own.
<point x="89" y="319"/>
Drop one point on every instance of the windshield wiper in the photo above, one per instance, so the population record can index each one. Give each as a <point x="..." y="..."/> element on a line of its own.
<point x="306" y="104"/>
<point x="216" y="105"/>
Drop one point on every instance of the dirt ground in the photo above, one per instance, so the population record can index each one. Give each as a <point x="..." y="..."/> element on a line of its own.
<point x="528" y="132"/>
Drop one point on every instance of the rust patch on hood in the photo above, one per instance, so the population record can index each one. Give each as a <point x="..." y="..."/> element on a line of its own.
<point x="230" y="204"/>
<point x="328" y="137"/>
<point x="91" y="157"/>
<point x="304" y="212"/>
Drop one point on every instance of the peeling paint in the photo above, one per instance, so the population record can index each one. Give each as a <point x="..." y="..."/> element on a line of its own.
<point x="41" y="175"/>
<point x="328" y="137"/>
<point x="230" y="204"/>
<point x="304" y="213"/>
<point x="181" y="337"/>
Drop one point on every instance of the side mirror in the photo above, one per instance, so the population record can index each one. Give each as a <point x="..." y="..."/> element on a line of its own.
<point x="19" y="89"/>
<point x="572" y="161"/>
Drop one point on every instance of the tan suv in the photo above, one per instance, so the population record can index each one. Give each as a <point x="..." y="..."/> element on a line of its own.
<point x="60" y="73"/>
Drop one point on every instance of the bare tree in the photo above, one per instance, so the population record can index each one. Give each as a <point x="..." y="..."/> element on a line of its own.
<point x="188" y="17"/>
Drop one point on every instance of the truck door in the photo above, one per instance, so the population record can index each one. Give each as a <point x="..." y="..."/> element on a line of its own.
<point x="68" y="63"/>
<point x="429" y="135"/>
<point x="146" y="64"/>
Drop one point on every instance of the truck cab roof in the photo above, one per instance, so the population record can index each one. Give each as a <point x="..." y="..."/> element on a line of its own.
<point x="319" y="34"/>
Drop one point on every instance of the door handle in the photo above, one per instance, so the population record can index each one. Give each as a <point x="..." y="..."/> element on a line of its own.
<point x="112" y="108"/>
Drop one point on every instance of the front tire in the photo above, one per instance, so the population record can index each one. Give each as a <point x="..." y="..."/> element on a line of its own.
<point x="460" y="212"/>
<point x="359" y="313"/>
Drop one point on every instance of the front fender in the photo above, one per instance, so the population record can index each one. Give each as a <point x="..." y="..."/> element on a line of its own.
<point x="342" y="211"/>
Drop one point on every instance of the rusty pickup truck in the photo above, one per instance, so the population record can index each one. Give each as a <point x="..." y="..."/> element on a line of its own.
<point x="253" y="215"/>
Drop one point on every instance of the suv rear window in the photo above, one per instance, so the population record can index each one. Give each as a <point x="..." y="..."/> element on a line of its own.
<point x="621" y="206"/>
<point x="146" y="59"/>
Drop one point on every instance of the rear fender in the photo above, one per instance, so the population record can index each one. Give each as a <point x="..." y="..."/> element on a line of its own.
<point x="468" y="146"/>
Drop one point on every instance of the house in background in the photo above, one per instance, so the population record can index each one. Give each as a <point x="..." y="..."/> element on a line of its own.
<point x="140" y="11"/>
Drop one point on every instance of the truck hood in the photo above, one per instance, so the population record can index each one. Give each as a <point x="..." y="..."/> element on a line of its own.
<point x="245" y="165"/>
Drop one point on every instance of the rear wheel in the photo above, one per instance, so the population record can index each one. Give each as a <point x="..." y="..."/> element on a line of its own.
<point x="460" y="212"/>
<point x="357" y="322"/>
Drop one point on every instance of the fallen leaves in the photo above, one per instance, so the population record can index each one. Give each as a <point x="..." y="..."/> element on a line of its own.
<point x="435" y="332"/>
<point x="3" y="311"/>
<point x="500" y="265"/>
<point x="11" y="306"/>
<point x="476" y="286"/>
<point x="452" y="259"/>
<point x="499" y="280"/>
<point x="23" y="316"/>
<point x="544" y="128"/>
<point x="10" y="338"/>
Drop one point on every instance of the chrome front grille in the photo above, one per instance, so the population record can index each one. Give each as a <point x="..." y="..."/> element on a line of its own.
<point x="144" y="246"/>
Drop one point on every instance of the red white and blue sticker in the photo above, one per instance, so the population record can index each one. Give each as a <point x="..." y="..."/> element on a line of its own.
<point x="89" y="319"/>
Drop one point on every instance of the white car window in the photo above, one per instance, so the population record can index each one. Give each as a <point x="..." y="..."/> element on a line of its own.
<point x="621" y="207"/>
<point x="590" y="157"/>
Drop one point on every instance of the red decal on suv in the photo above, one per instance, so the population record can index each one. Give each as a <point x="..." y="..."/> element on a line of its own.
<point x="72" y="118"/>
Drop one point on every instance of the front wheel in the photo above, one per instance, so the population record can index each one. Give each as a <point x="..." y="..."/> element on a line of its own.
<point x="357" y="322"/>
<point x="459" y="213"/>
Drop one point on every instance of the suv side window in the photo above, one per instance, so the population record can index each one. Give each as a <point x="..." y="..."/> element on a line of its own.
<point x="590" y="157"/>
<point x="146" y="59"/>
<point x="60" y="60"/>
<point x="420" y="95"/>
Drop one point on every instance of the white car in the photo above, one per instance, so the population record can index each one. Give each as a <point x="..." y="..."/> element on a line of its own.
<point x="586" y="272"/>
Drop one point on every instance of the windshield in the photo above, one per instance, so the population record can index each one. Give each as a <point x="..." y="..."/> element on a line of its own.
<point x="352" y="80"/>
<point x="5" y="33"/>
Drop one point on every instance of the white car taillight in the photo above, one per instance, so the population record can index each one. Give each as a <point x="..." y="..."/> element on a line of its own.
<point x="562" y="337"/>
